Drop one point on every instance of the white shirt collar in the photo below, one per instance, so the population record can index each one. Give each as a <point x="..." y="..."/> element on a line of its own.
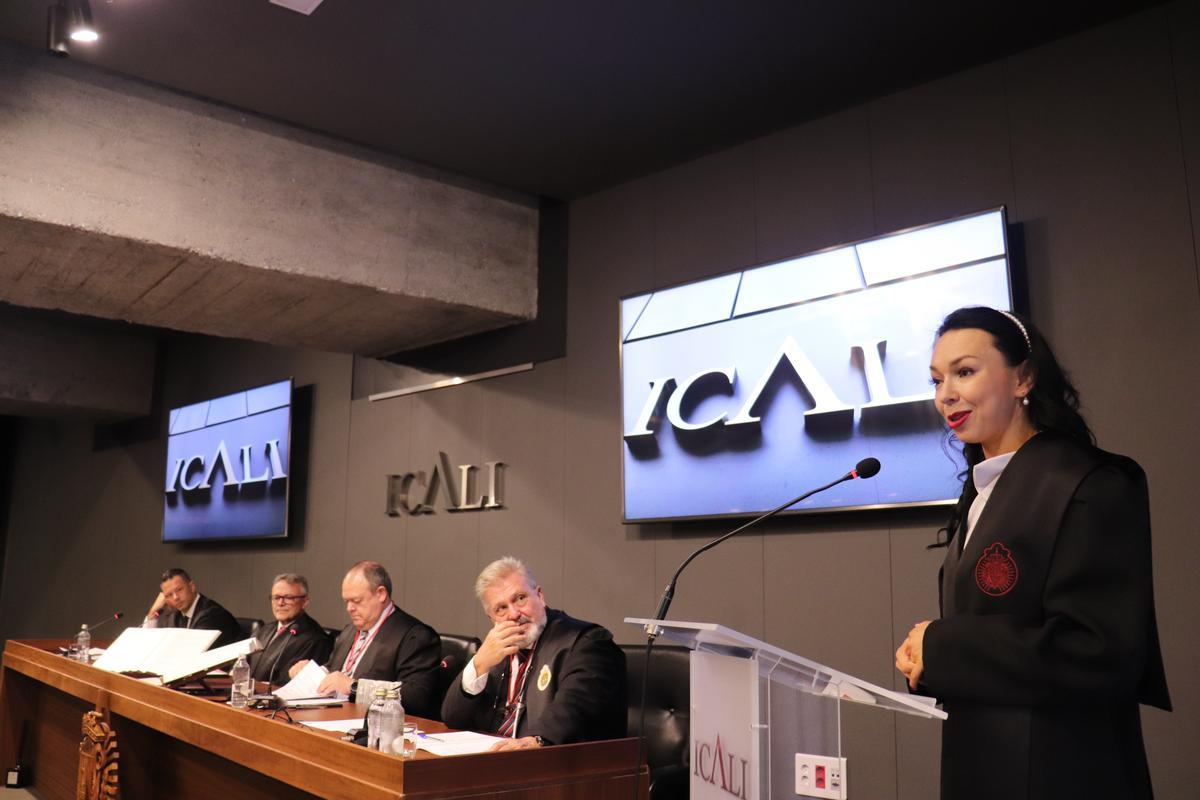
<point x="987" y="471"/>
<point x="191" y="609"/>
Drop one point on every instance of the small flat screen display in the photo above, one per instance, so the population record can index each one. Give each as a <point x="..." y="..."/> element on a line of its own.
<point x="228" y="466"/>
<point x="743" y="390"/>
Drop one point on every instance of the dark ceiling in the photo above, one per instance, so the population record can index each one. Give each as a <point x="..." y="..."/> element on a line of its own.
<point x="554" y="97"/>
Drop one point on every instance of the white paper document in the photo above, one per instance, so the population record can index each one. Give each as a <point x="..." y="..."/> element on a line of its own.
<point x="458" y="743"/>
<point x="304" y="685"/>
<point x="335" y="725"/>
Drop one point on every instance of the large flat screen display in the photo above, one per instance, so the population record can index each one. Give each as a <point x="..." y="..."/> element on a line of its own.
<point x="748" y="388"/>
<point x="228" y="466"/>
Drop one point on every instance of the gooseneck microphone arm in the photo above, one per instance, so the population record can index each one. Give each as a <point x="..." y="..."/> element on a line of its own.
<point x="867" y="468"/>
<point x="291" y="634"/>
<point x="106" y="620"/>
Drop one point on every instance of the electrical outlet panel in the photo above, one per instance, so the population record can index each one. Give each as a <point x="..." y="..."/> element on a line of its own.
<point x="820" y="776"/>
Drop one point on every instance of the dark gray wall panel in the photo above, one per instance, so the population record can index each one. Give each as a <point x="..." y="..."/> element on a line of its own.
<point x="941" y="150"/>
<point x="812" y="186"/>
<point x="704" y="217"/>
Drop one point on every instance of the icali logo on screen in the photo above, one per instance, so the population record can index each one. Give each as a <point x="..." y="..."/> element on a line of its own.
<point x="688" y="393"/>
<point x="194" y="469"/>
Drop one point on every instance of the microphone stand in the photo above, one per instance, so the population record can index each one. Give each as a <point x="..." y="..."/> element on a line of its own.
<point x="271" y="701"/>
<point x="867" y="468"/>
<point x="669" y="593"/>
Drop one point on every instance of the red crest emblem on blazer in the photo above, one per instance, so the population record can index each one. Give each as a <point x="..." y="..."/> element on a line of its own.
<point x="996" y="572"/>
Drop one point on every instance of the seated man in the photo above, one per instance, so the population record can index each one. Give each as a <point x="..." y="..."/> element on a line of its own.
<point x="540" y="677"/>
<point x="180" y="605"/>
<point x="295" y="636"/>
<point x="382" y="643"/>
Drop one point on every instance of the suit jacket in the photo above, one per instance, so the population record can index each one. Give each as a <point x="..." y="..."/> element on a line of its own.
<point x="210" y="616"/>
<point x="575" y="690"/>
<point x="280" y="652"/>
<point x="1048" y="639"/>
<point x="405" y="649"/>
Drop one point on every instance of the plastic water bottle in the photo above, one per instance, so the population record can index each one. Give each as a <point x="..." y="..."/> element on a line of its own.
<point x="243" y="687"/>
<point x="83" y="645"/>
<point x="391" y="720"/>
<point x="375" y="718"/>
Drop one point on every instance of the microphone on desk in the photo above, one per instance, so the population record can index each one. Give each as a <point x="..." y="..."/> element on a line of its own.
<point x="114" y="616"/>
<point x="291" y="633"/>
<point x="867" y="468"/>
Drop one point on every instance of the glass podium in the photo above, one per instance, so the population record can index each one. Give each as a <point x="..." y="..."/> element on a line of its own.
<point x="766" y="723"/>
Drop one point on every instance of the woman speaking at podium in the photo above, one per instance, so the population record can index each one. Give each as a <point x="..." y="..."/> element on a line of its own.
<point x="1047" y="641"/>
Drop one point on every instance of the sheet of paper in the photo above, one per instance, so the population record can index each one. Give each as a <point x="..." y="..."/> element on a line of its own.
<point x="305" y="684"/>
<point x="458" y="743"/>
<point x="335" y="725"/>
<point x="178" y="668"/>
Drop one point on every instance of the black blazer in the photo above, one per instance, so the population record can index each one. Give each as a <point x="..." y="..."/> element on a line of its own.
<point x="280" y="652"/>
<point x="575" y="691"/>
<point x="210" y="616"/>
<point x="405" y="649"/>
<point x="1048" y="639"/>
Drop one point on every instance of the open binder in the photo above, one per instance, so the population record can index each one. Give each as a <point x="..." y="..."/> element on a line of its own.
<point x="173" y="655"/>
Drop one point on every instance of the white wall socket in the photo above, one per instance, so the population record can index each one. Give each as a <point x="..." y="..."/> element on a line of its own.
<point x="820" y="776"/>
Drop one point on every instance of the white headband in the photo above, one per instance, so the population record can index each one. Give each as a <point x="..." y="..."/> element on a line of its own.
<point x="1024" y="333"/>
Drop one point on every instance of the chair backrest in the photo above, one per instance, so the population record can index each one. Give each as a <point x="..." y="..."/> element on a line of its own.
<point x="668" y="701"/>
<point x="333" y="632"/>
<point x="248" y="626"/>
<point x="456" y="650"/>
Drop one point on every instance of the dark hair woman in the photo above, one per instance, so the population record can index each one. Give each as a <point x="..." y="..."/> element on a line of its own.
<point x="1047" y="640"/>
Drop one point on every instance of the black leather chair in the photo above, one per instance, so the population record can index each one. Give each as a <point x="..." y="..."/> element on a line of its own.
<point x="668" y="715"/>
<point x="456" y="650"/>
<point x="333" y="632"/>
<point x="248" y="626"/>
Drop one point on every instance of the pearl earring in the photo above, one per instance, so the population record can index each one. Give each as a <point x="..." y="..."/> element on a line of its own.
<point x="1024" y="401"/>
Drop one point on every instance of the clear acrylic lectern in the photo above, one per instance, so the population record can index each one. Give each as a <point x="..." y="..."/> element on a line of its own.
<point x="754" y="707"/>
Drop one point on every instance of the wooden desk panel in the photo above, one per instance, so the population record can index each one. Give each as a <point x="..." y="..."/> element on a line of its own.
<point x="176" y="745"/>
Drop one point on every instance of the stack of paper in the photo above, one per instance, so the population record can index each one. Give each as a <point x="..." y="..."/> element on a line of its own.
<point x="304" y="685"/>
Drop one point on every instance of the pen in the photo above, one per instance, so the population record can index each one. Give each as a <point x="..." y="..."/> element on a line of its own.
<point x="427" y="736"/>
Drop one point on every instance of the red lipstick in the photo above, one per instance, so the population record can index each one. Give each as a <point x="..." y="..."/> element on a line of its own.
<point x="957" y="418"/>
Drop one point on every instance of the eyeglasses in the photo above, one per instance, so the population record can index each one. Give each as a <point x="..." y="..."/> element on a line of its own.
<point x="287" y="598"/>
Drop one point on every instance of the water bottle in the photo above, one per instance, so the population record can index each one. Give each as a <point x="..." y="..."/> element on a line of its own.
<point x="391" y="720"/>
<point x="83" y="645"/>
<point x="374" y="718"/>
<point x="243" y="686"/>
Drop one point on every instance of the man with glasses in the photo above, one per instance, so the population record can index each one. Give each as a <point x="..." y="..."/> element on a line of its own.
<point x="180" y="605"/>
<point x="295" y="636"/>
<point x="382" y="643"/>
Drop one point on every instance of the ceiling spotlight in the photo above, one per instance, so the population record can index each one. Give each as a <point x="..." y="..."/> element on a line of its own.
<point x="79" y="25"/>
<point x="66" y="22"/>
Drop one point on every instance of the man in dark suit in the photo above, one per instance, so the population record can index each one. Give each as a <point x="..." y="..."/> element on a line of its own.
<point x="295" y="636"/>
<point x="382" y="643"/>
<point x="180" y="605"/>
<point x="540" y="677"/>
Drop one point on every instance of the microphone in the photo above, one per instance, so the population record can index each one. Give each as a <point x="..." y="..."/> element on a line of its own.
<point x="867" y="468"/>
<point x="291" y="632"/>
<point x="106" y="620"/>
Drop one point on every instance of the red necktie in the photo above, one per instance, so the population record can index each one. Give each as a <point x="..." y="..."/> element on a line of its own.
<point x="515" y="690"/>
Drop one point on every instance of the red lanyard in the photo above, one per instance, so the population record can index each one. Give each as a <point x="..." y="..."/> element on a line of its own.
<point x="356" y="652"/>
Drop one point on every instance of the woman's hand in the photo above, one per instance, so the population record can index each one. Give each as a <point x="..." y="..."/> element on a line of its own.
<point x="910" y="658"/>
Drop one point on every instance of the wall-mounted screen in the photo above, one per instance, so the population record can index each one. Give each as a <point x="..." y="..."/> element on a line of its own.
<point x="228" y="466"/>
<point x="743" y="390"/>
